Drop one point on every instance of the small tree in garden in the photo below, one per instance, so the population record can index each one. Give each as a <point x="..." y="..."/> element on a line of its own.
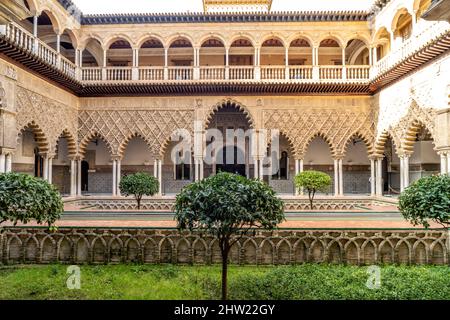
<point x="427" y="199"/>
<point x="139" y="185"/>
<point x="312" y="181"/>
<point x="24" y="198"/>
<point x="228" y="206"/>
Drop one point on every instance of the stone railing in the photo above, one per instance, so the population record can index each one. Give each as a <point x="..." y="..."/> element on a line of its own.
<point x="34" y="46"/>
<point x="349" y="73"/>
<point x="280" y="247"/>
<point x="409" y="47"/>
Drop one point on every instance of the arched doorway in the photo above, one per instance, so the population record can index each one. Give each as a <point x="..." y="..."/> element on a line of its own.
<point x="228" y="142"/>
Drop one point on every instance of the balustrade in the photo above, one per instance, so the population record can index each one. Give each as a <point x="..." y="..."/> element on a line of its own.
<point x="300" y="73"/>
<point x="91" y="74"/>
<point x="27" y="42"/>
<point x="273" y="72"/>
<point x="151" y="73"/>
<point x="118" y="73"/>
<point x="212" y="73"/>
<point x="242" y="72"/>
<point x="180" y="73"/>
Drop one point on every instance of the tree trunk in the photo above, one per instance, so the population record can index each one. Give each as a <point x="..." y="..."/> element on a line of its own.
<point x="311" y="198"/>
<point x="225" y="248"/>
<point x="139" y="203"/>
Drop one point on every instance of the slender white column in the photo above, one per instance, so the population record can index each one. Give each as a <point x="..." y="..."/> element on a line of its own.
<point x="35" y="26"/>
<point x="8" y="163"/>
<point x="261" y="170"/>
<point x="256" y="165"/>
<point x="372" y="178"/>
<point x="341" y="178"/>
<point x="45" y="170"/>
<point x="80" y="56"/>
<point x="443" y="163"/>
<point x="2" y="163"/>
<point x="73" y="183"/>
<point x="119" y="172"/>
<point x="79" y="177"/>
<point x="50" y="170"/>
<point x="336" y="177"/>
<point x="58" y="43"/>
<point x="197" y="169"/>
<point x="379" y="177"/>
<point x="104" y="58"/>
<point x="402" y="175"/>
<point x="201" y="169"/>
<point x="155" y="168"/>
<point x="114" y="178"/>
<point x="166" y="57"/>
<point x="160" y="176"/>
<point x="448" y="162"/>
<point x="406" y="172"/>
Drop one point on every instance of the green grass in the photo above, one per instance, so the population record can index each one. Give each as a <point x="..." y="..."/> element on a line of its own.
<point x="203" y="282"/>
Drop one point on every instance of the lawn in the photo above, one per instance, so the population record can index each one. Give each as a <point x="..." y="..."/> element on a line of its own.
<point x="203" y="282"/>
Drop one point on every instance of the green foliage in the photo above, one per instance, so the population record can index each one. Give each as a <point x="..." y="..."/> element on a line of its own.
<point x="339" y="282"/>
<point x="427" y="199"/>
<point x="139" y="185"/>
<point x="24" y="198"/>
<point x="225" y="204"/>
<point x="152" y="282"/>
<point x="312" y="181"/>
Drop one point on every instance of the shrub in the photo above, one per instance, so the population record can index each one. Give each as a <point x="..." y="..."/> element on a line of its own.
<point x="427" y="199"/>
<point x="24" y="198"/>
<point x="139" y="185"/>
<point x="312" y="182"/>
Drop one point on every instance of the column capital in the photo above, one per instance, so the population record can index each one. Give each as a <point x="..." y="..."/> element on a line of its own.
<point x="7" y="151"/>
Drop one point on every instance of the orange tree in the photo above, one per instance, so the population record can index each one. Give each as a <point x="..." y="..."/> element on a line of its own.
<point x="228" y="206"/>
<point x="24" y="198"/>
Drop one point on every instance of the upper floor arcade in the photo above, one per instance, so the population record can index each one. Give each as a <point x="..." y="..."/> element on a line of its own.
<point x="342" y="48"/>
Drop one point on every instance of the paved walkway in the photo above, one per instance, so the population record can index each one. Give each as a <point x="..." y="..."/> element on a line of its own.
<point x="325" y="220"/>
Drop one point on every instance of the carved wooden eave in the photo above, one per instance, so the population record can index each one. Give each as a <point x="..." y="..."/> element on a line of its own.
<point x="426" y="54"/>
<point x="224" y="87"/>
<point x="158" y="18"/>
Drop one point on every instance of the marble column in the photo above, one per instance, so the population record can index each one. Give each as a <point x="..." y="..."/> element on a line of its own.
<point x="73" y="178"/>
<point x="50" y="170"/>
<point x="336" y="177"/>
<point x="79" y="177"/>
<point x="8" y="166"/>
<point x="160" y="177"/>
<point x="119" y="174"/>
<point x="373" y="177"/>
<point x="114" y="177"/>
<point x="379" y="177"/>
<point x="2" y="163"/>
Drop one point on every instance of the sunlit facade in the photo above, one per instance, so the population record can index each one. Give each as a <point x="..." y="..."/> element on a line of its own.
<point x="362" y="96"/>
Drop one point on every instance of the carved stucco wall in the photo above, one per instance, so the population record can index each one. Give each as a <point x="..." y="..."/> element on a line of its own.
<point x="335" y="122"/>
<point x="413" y="102"/>
<point x="116" y="121"/>
<point x="48" y="118"/>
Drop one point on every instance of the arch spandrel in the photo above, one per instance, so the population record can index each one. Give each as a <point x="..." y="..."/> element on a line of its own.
<point x="213" y="109"/>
